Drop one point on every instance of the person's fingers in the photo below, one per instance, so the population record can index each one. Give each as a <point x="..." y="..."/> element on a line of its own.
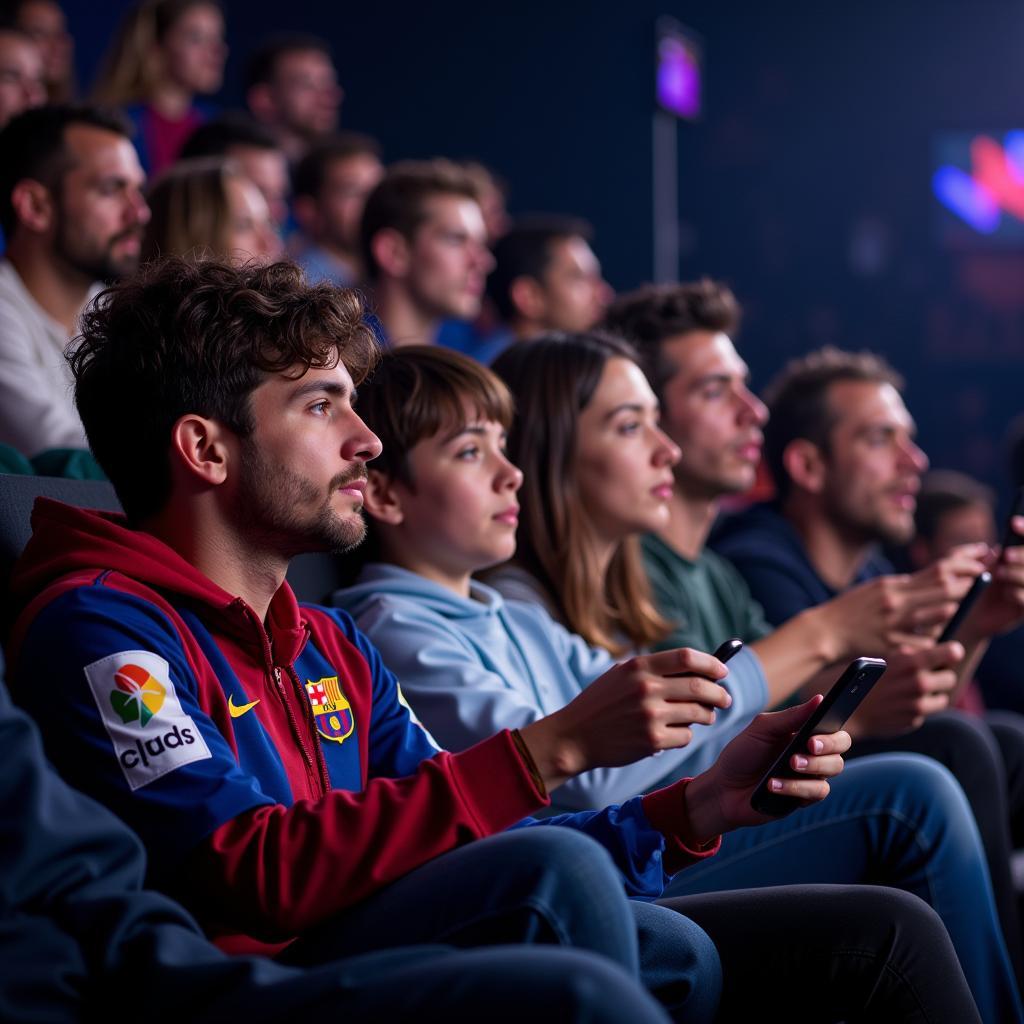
<point x="825" y="767"/>
<point x="809" y="790"/>
<point x="830" y="743"/>
<point x="681" y="661"/>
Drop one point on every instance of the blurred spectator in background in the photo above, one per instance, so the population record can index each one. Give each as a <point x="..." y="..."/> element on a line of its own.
<point x="547" y="278"/>
<point x="492" y="192"/>
<point x="72" y="209"/>
<point x="21" y="74"/>
<point x="43" y="21"/>
<point x="332" y="182"/>
<point x="952" y="509"/>
<point x="425" y="249"/>
<point x="208" y="207"/>
<point x="254" y="148"/>
<point x="292" y="87"/>
<point x="165" y="54"/>
<point x="483" y="337"/>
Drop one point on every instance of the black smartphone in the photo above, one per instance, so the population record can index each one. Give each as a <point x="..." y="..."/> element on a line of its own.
<point x="1010" y="536"/>
<point x="981" y="581"/>
<point x="840" y="702"/>
<point x="727" y="649"/>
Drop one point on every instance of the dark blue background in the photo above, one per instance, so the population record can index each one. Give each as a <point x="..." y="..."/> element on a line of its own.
<point x="819" y="118"/>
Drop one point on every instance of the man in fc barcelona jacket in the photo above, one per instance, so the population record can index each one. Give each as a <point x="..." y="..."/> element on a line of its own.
<point x="262" y="750"/>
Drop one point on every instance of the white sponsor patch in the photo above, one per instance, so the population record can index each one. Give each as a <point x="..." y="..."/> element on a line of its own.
<point x="150" y="733"/>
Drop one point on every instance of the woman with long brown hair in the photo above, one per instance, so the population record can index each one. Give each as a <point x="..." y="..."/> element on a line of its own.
<point x="597" y="473"/>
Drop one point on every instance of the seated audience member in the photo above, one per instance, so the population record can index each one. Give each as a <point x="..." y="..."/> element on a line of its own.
<point x="332" y="182"/>
<point x="72" y="210"/>
<point x="547" y="278"/>
<point x="253" y="148"/>
<point x="209" y="208"/>
<point x="682" y="333"/>
<point x="43" y="21"/>
<point x="21" y="74"/>
<point x="840" y="446"/>
<point x="484" y="336"/>
<point x="243" y="735"/>
<point x="292" y="87"/>
<point x="425" y="250"/>
<point x="165" y="54"/>
<point x="442" y="503"/>
<point x="81" y="939"/>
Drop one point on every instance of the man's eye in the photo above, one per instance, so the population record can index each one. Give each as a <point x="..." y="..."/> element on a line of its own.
<point x="629" y="427"/>
<point x="467" y="453"/>
<point x="320" y="408"/>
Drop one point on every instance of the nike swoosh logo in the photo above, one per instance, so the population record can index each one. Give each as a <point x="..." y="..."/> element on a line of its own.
<point x="237" y="711"/>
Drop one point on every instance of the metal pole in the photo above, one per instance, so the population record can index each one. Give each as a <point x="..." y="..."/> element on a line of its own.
<point x="665" y="157"/>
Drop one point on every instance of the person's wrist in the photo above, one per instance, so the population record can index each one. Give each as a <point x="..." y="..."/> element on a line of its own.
<point x="555" y="751"/>
<point x="702" y="820"/>
<point x="828" y="632"/>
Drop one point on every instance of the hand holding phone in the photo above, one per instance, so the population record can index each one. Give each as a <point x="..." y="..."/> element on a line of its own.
<point x="841" y="701"/>
<point x="727" y="649"/>
<point x="1011" y="538"/>
<point x="978" y="588"/>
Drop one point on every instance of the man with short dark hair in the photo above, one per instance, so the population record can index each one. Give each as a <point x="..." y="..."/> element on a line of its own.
<point x="840" y="444"/>
<point x="291" y="86"/>
<point x="332" y="182"/>
<point x="547" y="278"/>
<point x="72" y="210"/>
<point x="255" y="149"/>
<point x="424" y="246"/>
<point x="684" y="336"/>
<point x="261" y="749"/>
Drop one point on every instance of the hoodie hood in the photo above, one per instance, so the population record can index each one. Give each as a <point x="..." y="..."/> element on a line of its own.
<point x="68" y="541"/>
<point x="483" y="604"/>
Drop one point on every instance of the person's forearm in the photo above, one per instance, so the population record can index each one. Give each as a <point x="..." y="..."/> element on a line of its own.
<point x="797" y="651"/>
<point x="974" y="651"/>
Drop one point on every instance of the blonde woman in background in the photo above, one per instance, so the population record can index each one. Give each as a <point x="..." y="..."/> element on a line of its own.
<point x="165" y="54"/>
<point x="208" y="207"/>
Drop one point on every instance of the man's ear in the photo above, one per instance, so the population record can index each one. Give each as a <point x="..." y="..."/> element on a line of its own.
<point x="33" y="205"/>
<point x="391" y="252"/>
<point x="528" y="297"/>
<point x="805" y="465"/>
<point x="200" y="447"/>
<point x="382" y="498"/>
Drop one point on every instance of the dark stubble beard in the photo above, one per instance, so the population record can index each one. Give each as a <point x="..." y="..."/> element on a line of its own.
<point x="273" y="504"/>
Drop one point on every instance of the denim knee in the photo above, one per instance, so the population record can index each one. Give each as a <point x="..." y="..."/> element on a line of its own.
<point x="679" y="963"/>
<point x="571" y="881"/>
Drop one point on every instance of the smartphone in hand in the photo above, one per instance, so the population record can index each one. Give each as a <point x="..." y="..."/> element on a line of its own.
<point x="981" y="582"/>
<point x="1010" y="536"/>
<point x="830" y="715"/>
<point x="727" y="649"/>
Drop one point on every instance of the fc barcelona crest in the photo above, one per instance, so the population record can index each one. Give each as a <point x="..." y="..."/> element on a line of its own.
<point x="331" y="711"/>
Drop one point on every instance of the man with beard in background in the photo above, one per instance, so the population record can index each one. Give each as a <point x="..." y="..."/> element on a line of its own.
<point x="72" y="209"/>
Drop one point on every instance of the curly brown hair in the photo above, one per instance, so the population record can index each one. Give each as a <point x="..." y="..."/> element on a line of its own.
<point x="187" y="336"/>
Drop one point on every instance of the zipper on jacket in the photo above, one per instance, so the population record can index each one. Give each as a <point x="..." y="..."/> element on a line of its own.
<point x="315" y="769"/>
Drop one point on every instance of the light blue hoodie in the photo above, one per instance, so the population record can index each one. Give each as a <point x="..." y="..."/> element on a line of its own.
<point x="472" y="666"/>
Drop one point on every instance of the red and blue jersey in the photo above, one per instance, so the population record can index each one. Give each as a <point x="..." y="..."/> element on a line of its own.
<point x="272" y="768"/>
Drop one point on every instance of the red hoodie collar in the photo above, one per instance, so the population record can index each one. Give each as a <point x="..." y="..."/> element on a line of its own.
<point x="66" y="540"/>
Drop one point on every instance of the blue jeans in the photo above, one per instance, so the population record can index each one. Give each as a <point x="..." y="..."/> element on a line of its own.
<point x="892" y="819"/>
<point x="540" y="885"/>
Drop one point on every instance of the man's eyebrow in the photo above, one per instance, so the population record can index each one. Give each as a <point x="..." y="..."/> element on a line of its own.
<point x="328" y="387"/>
